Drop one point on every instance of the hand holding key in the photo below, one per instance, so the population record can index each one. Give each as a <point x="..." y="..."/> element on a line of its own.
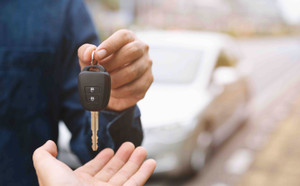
<point x="126" y="59"/>
<point x="94" y="91"/>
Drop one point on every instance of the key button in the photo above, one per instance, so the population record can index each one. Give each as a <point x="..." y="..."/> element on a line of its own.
<point x="92" y="90"/>
<point x="92" y="99"/>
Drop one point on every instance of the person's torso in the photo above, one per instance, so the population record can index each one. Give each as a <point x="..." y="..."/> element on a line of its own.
<point x="30" y="43"/>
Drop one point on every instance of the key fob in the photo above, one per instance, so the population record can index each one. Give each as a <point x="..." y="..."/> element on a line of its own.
<point x="94" y="87"/>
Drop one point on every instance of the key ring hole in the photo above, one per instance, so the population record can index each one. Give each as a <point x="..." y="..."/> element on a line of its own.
<point x="95" y="68"/>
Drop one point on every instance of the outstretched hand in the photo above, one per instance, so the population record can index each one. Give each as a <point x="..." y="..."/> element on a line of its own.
<point x="127" y="167"/>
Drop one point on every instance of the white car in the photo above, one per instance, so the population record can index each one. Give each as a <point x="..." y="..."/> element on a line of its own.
<point x="198" y="98"/>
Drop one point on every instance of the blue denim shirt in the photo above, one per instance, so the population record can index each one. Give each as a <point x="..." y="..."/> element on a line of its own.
<point x="38" y="86"/>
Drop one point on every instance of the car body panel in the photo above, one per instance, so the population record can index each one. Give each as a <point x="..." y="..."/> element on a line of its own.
<point x="176" y="116"/>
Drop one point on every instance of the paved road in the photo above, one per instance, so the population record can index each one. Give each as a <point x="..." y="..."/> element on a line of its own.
<point x="277" y="164"/>
<point x="274" y="64"/>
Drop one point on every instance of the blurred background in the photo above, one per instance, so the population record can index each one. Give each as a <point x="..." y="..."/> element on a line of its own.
<point x="224" y="107"/>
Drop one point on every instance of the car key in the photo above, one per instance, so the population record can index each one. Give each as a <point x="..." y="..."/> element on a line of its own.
<point x="94" y="92"/>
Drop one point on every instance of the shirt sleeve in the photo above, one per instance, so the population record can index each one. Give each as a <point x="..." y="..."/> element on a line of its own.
<point x="114" y="128"/>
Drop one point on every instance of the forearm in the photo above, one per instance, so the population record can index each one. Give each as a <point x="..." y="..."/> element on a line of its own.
<point x="127" y="127"/>
<point x="114" y="129"/>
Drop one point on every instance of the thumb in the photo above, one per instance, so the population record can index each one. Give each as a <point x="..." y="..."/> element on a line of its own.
<point x="49" y="170"/>
<point x="44" y="156"/>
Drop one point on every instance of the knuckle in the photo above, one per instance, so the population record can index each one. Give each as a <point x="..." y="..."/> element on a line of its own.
<point x="132" y="72"/>
<point x="130" y="91"/>
<point x="134" y="50"/>
<point x="85" y="45"/>
<point x="140" y="96"/>
<point x="114" y="83"/>
<point x="146" y="47"/>
<point x="80" y="49"/>
<point x="151" y="78"/>
<point x="126" y="34"/>
<point x="85" y="58"/>
<point x="150" y="62"/>
<point x="121" y="31"/>
<point x="112" y="94"/>
<point x="119" y="108"/>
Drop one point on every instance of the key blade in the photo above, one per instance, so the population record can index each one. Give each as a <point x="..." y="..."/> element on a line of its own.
<point x="94" y="128"/>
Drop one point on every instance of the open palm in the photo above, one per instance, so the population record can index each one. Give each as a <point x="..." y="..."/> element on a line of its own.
<point x="126" y="167"/>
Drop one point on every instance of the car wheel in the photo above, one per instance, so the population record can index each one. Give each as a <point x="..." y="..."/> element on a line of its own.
<point x="201" y="152"/>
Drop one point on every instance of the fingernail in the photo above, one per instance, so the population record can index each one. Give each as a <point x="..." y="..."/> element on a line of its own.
<point x="101" y="53"/>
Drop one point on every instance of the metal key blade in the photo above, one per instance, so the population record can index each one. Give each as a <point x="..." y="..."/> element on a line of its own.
<point x="94" y="127"/>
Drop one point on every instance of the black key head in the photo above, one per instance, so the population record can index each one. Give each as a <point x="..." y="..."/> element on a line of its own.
<point x="94" y="87"/>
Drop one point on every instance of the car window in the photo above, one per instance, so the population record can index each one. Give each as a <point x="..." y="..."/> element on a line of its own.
<point x="226" y="58"/>
<point x="174" y="64"/>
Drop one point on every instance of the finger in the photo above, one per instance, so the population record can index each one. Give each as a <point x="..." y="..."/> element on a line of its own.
<point x="48" y="149"/>
<point x="130" y="72"/>
<point x="116" y="162"/>
<point x="85" y="54"/>
<point x="126" y="55"/>
<point x="143" y="174"/>
<point x="43" y="157"/>
<point x="95" y="165"/>
<point x="133" y="164"/>
<point x="48" y="167"/>
<point x="137" y="88"/>
<point x="107" y="59"/>
<point x="133" y="92"/>
<point x="114" y="43"/>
